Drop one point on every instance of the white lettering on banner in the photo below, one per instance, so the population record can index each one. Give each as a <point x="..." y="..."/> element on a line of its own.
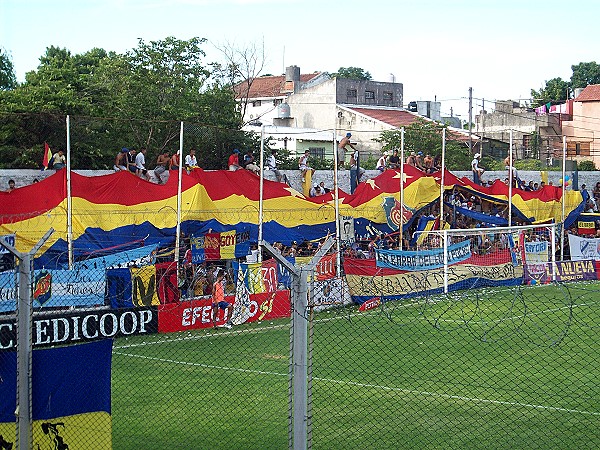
<point x="56" y="329"/>
<point x="8" y="329"/>
<point x="41" y="330"/>
<point x="269" y="275"/>
<point x="69" y="327"/>
<point x="84" y="327"/>
<point x="189" y="316"/>
<point x="113" y="322"/>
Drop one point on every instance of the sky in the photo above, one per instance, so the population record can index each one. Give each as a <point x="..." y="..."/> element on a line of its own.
<point x="438" y="49"/>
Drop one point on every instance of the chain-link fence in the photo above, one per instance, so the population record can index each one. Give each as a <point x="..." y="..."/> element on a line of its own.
<point x="131" y="351"/>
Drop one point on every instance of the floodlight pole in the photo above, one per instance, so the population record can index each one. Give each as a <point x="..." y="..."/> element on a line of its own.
<point x="24" y="346"/>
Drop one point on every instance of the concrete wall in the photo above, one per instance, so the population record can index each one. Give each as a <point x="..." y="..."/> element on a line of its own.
<point x="25" y="176"/>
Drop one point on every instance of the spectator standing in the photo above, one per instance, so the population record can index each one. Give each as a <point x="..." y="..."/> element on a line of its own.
<point x="324" y="190"/>
<point x="234" y="160"/>
<point x="162" y="165"/>
<point x="11" y="185"/>
<point x="354" y="165"/>
<point x="596" y="192"/>
<point x="121" y="160"/>
<point x="190" y="160"/>
<point x="341" y="153"/>
<point x="272" y="165"/>
<point x="140" y="164"/>
<point x="218" y="300"/>
<point x="303" y="165"/>
<point x="477" y="171"/>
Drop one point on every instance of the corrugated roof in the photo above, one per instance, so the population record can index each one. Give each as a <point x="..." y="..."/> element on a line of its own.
<point x="591" y="93"/>
<point x="399" y="118"/>
<point x="271" y="86"/>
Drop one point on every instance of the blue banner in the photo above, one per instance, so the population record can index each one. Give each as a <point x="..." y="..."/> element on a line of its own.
<point x="423" y="259"/>
<point x="142" y="256"/>
<point x="57" y="288"/>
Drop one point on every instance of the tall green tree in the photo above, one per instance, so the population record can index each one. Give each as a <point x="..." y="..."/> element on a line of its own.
<point x="555" y="90"/>
<point x="8" y="80"/>
<point x="584" y="74"/>
<point x="426" y="136"/>
<point x="353" y="73"/>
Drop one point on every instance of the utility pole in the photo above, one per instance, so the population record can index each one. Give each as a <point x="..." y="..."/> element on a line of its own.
<point x="471" y="119"/>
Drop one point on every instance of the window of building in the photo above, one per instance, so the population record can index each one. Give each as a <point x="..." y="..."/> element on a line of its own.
<point x="256" y="103"/>
<point x="388" y="96"/>
<point x="277" y="101"/>
<point x="351" y="94"/>
<point x="369" y="95"/>
<point x="317" y="152"/>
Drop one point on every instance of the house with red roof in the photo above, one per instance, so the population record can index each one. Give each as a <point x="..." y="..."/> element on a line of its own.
<point x="320" y="102"/>
<point x="583" y="131"/>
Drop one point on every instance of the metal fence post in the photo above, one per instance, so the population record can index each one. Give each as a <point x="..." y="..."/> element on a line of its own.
<point x="24" y="350"/>
<point x="299" y="345"/>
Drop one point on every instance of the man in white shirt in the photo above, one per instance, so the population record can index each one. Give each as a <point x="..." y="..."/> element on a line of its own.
<point x="140" y="164"/>
<point x="272" y="165"/>
<point x="477" y="171"/>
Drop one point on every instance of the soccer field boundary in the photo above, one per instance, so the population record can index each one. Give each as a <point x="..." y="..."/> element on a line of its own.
<point x="367" y="385"/>
<point x="342" y="317"/>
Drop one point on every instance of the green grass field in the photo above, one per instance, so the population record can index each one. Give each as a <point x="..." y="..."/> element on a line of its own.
<point x="496" y="368"/>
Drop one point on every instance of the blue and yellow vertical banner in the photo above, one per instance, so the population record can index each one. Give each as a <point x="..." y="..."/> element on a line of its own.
<point x="70" y="397"/>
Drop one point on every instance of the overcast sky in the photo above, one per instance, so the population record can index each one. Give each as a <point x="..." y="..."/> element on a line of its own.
<point x="436" y="48"/>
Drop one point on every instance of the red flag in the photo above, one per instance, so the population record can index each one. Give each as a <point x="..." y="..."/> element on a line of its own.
<point x="47" y="156"/>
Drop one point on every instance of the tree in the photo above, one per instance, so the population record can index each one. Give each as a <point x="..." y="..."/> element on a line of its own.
<point x="242" y="66"/>
<point x="556" y="90"/>
<point x="8" y="80"/>
<point x="585" y="74"/>
<point x="426" y="136"/>
<point x="353" y="73"/>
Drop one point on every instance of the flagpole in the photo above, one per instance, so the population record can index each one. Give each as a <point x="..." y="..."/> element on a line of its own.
<point x="336" y="203"/>
<point x="69" y="200"/>
<point x="261" y="192"/>
<point x="402" y="188"/>
<point x="510" y="177"/>
<point x="179" y="174"/>
<point x="564" y="186"/>
<point x="442" y="180"/>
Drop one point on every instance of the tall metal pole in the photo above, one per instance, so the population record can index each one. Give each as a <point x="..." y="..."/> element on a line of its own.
<point x="179" y="174"/>
<point x="510" y="178"/>
<point x="401" y="188"/>
<point x="336" y="203"/>
<point x="261" y="191"/>
<point x="564" y="187"/>
<point x="69" y="200"/>
<point x="442" y="179"/>
<point x="24" y="346"/>
<point x="471" y="119"/>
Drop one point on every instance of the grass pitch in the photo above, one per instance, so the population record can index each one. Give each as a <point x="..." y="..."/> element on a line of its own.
<point x="490" y="368"/>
